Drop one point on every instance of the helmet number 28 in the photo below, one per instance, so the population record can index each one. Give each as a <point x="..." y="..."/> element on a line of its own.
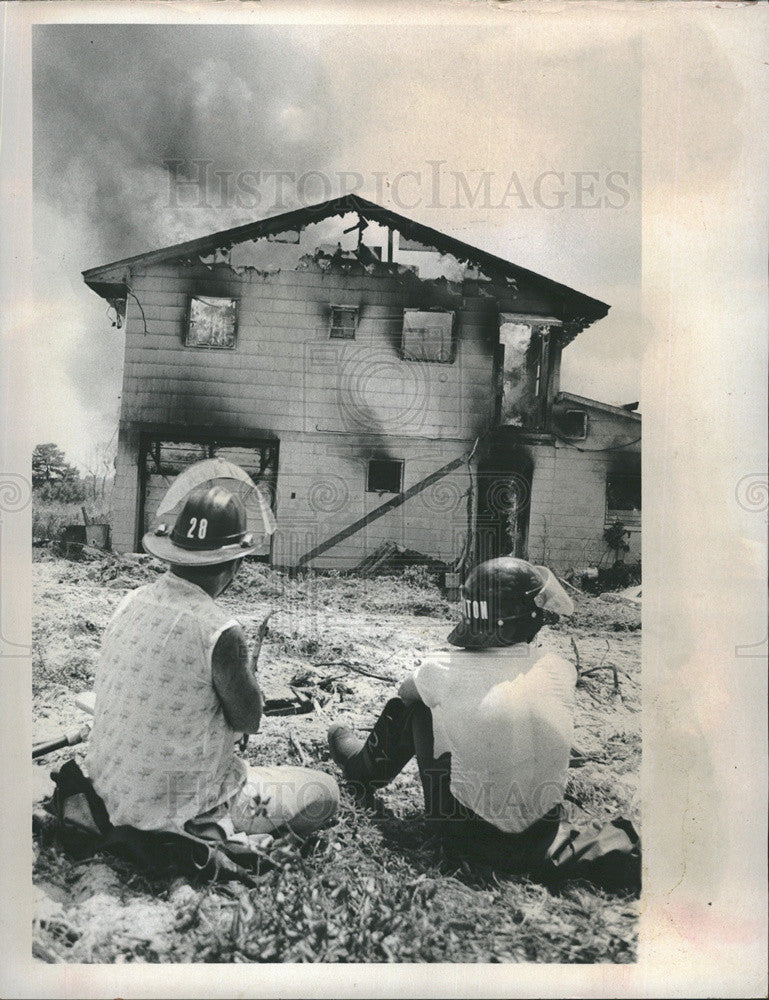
<point x="202" y="527"/>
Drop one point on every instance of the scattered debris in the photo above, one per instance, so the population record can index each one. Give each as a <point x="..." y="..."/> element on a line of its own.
<point x="569" y="585"/>
<point x="630" y="594"/>
<point x="618" y="577"/>
<point x="392" y="557"/>
<point x="300" y="751"/>
<point x="375" y="886"/>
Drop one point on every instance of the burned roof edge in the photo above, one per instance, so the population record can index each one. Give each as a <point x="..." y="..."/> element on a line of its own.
<point x="581" y="308"/>
<point x="596" y="404"/>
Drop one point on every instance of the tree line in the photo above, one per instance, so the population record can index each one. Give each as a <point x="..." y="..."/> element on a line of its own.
<point x="55" y="478"/>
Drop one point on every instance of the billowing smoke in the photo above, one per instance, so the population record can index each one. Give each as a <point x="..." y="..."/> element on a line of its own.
<point x="114" y="103"/>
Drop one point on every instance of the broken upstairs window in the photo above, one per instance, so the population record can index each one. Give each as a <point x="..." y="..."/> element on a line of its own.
<point x="211" y="322"/>
<point x="525" y="343"/>
<point x="344" y="320"/>
<point x="428" y="336"/>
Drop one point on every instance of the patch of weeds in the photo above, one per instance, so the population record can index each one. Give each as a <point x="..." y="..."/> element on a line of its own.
<point x="379" y="885"/>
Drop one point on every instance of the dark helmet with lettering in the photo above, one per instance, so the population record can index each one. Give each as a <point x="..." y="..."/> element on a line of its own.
<point x="210" y="529"/>
<point x="503" y="602"/>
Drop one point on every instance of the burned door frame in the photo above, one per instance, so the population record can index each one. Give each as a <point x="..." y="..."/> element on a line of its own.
<point x="504" y="473"/>
<point x="208" y="437"/>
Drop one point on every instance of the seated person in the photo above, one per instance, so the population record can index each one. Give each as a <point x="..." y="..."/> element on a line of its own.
<point x="491" y="726"/>
<point x="175" y="688"/>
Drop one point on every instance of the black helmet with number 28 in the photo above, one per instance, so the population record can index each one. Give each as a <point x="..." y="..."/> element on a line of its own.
<point x="503" y="601"/>
<point x="210" y="529"/>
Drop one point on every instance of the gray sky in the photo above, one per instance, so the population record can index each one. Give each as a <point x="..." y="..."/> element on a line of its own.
<point x="112" y="103"/>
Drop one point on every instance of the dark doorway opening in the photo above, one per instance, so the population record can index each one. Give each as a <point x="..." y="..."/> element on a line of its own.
<point x="504" y="480"/>
<point x="163" y="456"/>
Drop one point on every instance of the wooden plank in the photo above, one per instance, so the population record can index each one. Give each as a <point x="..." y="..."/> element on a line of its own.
<point x="383" y="509"/>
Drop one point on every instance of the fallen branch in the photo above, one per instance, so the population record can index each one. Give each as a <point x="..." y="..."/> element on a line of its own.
<point x="619" y="670"/>
<point x="319" y="711"/>
<point x="371" y="673"/>
<point x="608" y="666"/>
<point x="594" y="670"/>
<point x="301" y="752"/>
<point x="576" y="654"/>
<point x="357" y="669"/>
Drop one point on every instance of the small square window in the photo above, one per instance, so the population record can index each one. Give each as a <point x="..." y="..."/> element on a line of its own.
<point x="428" y="335"/>
<point x="211" y="322"/>
<point x="385" y="475"/>
<point x="573" y="424"/>
<point x="344" y="320"/>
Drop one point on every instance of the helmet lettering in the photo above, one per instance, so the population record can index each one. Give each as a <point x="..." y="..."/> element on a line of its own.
<point x="202" y="527"/>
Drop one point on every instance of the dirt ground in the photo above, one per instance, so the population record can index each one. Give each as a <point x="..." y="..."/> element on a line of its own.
<point x="375" y="886"/>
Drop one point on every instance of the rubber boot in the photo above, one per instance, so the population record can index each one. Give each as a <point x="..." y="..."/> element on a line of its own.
<point x="373" y="762"/>
<point x="347" y="751"/>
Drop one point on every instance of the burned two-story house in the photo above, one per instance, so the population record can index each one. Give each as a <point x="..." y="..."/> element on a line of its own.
<point x="380" y="380"/>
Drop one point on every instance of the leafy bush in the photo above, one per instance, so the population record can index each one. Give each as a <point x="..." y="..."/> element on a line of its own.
<point x="51" y="517"/>
<point x="615" y="577"/>
<point x="615" y="536"/>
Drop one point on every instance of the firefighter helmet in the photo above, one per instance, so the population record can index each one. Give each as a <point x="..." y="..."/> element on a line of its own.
<point x="502" y="603"/>
<point x="210" y="529"/>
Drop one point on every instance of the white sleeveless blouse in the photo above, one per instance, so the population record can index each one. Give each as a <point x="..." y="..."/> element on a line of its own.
<point x="161" y="751"/>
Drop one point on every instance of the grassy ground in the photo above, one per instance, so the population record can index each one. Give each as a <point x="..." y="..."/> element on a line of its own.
<point x="51" y="517"/>
<point x="377" y="886"/>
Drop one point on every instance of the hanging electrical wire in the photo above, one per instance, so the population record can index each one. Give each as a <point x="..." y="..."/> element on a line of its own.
<point x="144" y="318"/>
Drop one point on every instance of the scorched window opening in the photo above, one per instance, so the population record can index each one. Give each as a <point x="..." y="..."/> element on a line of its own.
<point x="573" y="425"/>
<point x="384" y="476"/>
<point x="428" y="335"/>
<point x="211" y="322"/>
<point x="623" y="498"/>
<point x="344" y="320"/>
